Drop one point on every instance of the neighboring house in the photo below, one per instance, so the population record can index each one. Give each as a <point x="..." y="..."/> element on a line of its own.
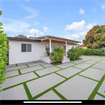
<point x="82" y="46"/>
<point x="34" y="49"/>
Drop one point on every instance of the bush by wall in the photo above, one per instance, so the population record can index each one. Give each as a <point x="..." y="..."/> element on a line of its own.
<point x="57" y="54"/>
<point x="3" y="54"/>
<point x="100" y="52"/>
<point x="75" y="53"/>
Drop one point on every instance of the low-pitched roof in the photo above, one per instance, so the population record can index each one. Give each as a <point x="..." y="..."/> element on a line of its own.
<point x="23" y="39"/>
<point x="49" y="36"/>
<point x="38" y="39"/>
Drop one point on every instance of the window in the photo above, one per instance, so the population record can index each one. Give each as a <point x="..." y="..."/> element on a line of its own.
<point x="64" y="47"/>
<point x="28" y="48"/>
<point x="53" y="47"/>
<point x="47" y="47"/>
<point x="25" y="47"/>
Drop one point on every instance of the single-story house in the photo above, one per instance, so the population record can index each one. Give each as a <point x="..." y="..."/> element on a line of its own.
<point x="35" y="48"/>
<point x="82" y="46"/>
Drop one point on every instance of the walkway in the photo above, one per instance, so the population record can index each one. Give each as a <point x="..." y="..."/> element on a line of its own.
<point x="77" y="80"/>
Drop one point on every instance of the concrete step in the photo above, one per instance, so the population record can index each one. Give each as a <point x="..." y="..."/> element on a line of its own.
<point x="65" y="60"/>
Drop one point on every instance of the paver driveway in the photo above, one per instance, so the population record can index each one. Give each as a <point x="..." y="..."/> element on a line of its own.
<point x="77" y="80"/>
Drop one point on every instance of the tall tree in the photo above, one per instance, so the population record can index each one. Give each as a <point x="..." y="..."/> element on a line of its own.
<point x="21" y="36"/>
<point x="95" y="38"/>
<point x="3" y="53"/>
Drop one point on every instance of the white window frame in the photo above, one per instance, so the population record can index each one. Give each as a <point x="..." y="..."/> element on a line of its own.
<point x="26" y="47"/>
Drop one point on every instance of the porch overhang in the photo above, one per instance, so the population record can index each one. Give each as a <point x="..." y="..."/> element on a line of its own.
<point x="58" y="41"/>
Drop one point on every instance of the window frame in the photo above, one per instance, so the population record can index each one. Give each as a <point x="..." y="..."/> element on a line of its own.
<point x="26" y="47"/>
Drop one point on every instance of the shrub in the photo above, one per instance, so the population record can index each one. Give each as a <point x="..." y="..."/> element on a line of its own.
<point x="3" y="54"/>
<point x="72" y="54"/>
<point x="57" y="54"/>
<point x="75" y="53"/>
<point x="94" y="52"/>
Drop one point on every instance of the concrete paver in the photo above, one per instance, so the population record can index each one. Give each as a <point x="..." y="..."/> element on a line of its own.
<point x="39" y="85"/>
<point x="47" y="65"/>
<point x="69" y="72"/>
<point x="47" y="70"/>
<point x="102" y="88"/>
<point x="30" y="69"/>
<point x="97" y="97"/>
<point x="49" y="96"/>
<point x="16" y="67"/>
<point x="18" y="79"/>
<point x="91" y="61"/>
<point x="83" y="65"/>
<point x="11" y="73"/>
<point x="14" y="93"/>
<point x="93" y="73"/>
<point x="100" y="66"/>
<point x="77" y="88"/>
<point x="64" y="65"/>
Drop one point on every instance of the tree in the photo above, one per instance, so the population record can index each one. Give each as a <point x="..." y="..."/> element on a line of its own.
<point x="3" y="53"/>
<point x="21" y="36"/>
<point x="95" y="38"/>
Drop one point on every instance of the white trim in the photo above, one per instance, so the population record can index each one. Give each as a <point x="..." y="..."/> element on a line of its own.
<point x="50" y="44"/>
<point x="66" y="48"/>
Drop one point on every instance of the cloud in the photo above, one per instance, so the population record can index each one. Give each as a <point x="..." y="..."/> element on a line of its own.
<point x="68" y="14"/>
<point x="33" y="12"/>
<point x="81" y="11"/>
<point x="103" y="6"/>
<point x="45" y="29"/>
<point x="76" y="26"/>
<point x="94" y="10"/>
<point x="79" y="37"/>
<point x="27" y="0"/>
<point x="15" y="26"/>
<point x="89" y="26"/>
<point x="83" y="33"/>
<point x="33" y="31"/>
<point x="79" y="26"/>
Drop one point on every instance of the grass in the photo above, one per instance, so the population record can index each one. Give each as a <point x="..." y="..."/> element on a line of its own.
<point x="56" y="63"/>
<point x="76" y="59"/>
<point x="91" y="97"/>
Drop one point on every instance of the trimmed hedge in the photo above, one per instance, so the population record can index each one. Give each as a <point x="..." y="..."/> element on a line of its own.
<point x="57" y="54"/>
<point x="75" y="53"/>
<point x="94" y="52"/>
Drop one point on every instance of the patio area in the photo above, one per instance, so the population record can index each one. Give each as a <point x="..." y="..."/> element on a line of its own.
<point x="75" y="80"/>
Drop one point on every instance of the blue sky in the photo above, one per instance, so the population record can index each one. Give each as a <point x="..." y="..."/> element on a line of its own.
<point x="63" y="18"/>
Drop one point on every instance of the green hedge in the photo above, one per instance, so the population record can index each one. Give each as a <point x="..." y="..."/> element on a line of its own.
<point x="57" y="54"/>
<point x="3" y="54"/>
<point x="75" y="53"/>
<point x="94" y="52"/>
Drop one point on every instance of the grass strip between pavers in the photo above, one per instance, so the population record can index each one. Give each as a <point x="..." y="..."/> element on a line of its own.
<point x="91" y="97"/>
<point x="19" y="71"/>
<point x="60" y="95"/>
<point x="27" y="91"/>
<point x="100" y="95"/>
<point x="88" y="77"/>
<point x="27" y="65"/>
<point x="98" y="68"/>
<point x="36" y="73"/>
<point x="60" y="75"/>
<point x="42" y="65"/>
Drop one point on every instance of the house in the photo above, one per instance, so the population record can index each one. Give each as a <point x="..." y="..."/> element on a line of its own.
<point x="82" y="46"/>
<point x="34" y="49"/>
